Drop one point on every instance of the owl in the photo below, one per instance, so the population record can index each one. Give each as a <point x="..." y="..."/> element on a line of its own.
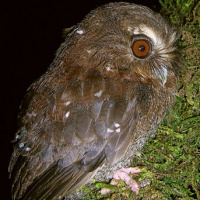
<point x="104" y="95"/>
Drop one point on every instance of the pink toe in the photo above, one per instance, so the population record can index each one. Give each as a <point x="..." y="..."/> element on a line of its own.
<point x="105" y="191"/>
<point x="134" y="186"/>
<point x="122" y="175"/>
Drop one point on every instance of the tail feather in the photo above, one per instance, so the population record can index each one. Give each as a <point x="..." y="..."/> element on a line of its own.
<point x="56" y="182"/>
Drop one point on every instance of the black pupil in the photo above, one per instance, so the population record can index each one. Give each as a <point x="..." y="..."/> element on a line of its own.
<point x="141" y="48"/>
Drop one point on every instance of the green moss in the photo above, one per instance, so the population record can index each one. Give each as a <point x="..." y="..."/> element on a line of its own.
<point x="172" y="157"/>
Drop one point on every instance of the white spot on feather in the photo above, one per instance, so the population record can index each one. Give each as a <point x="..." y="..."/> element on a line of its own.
<point x="67" y="103"/>
<point x="67" y="114"/>
<point x="21" y="145"/>
<point x="27" y="149"/>
<point x="79" y="32"/>
<point x="89" y="51"/>
<point x="108" y="68"/>
<point x="109" y="130"/>
<point x="31" y="114"/>
<point x="98" y="94"/>
<point x="16" y="137"/>
<point x="118" y="130"/>
<point x="117" y="125"/>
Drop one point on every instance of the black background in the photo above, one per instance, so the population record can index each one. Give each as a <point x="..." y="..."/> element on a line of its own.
<point x="31" y="32"/>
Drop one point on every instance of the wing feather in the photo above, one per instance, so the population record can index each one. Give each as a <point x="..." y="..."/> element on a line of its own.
<point x="66" y="141"/>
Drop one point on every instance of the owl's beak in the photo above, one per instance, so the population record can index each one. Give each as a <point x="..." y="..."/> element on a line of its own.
<point x="161" y="73"/>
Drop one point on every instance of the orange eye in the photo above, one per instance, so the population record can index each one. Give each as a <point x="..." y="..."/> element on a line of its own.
<point x="141" y="48"/>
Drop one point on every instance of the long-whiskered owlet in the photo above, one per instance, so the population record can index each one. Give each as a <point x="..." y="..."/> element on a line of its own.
<point x="104" y="95"/>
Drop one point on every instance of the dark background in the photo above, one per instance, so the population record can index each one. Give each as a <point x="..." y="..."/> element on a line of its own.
<point x="31" y="32"/>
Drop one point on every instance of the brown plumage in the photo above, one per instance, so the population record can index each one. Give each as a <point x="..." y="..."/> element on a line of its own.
<point x="104" y="95"/>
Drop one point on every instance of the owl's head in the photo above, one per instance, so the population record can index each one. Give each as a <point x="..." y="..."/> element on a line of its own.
<point x="126" y="41"/>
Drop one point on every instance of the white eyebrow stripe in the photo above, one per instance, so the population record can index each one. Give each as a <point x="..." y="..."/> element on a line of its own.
<point x="148" y="31"/>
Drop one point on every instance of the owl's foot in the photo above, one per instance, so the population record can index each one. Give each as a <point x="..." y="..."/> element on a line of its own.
<point x="124" y="174"/>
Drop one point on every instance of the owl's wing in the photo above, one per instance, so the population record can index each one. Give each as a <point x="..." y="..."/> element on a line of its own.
<point x="65" y="136"/>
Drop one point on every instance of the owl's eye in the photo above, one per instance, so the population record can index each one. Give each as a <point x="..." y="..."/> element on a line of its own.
<point x="141" y="48"/>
